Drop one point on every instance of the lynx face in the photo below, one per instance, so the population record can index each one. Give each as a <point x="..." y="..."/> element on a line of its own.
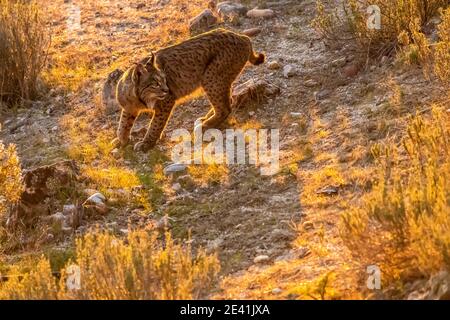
<point x="150" y="83"/>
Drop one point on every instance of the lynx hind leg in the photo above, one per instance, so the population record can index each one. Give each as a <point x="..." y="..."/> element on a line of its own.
<point x="221" y="103"/>
<point x="125" y="124"/>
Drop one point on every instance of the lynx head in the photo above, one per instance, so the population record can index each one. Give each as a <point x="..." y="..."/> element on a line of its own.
<point x="149" y="81"/>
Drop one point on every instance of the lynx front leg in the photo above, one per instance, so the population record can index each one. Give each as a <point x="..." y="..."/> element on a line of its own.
<point x="158" y="123"/>
<point x="125" y="124"/>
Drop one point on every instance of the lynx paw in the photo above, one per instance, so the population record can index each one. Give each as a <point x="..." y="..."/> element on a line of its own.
<point x="143" y="146"/>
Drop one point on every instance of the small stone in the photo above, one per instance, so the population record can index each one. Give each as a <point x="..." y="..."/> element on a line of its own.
<point x="384" y="59"/>
<point x="328" y="191"/>
<point x="124" y="231"/>
<point x="339" y="62"/>
<point x="351" y="70"/>
<point x="58" y="217"/>
<point x="261" y="259"/>
<point x="296" y="114"/>
<point x="203" y="22"/>
<point x="174" y="168"/>
<point x="322" y="94"/>
<point x="69" y="209"/>
<point x="310" y="83"/>
<point x="277" y="291"/>
<point x="289" y="71"/>
<point x="96" y="198"/>
<point x="260" y="13"/>
<point x="176" y="186"/>
<point x="227" y="9"/>
<point x="252" y="32"/>
<point x="307" y="225"/>
<point x="115" y="153"/>
<point x="274" y="65"/>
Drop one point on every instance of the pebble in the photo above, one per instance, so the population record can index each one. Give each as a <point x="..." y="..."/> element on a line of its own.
<point x="174" y="167"/>
<point x="274" y="65"/>
<point x="289" y="71"/>
<point x="261" y="259"/>
<point x="260" y="13"/>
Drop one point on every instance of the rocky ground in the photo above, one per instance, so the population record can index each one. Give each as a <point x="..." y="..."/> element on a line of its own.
<point x="277" y="236"/>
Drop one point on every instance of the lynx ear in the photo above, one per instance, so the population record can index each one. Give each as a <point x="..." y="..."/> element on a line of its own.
<point x="150" y="63"/>
<point x="137" y="72"/>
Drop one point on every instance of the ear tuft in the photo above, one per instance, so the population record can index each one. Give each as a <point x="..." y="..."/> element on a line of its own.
<point x="137" y="72"/>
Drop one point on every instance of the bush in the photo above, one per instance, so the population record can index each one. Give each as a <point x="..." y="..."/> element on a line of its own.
<point x="23" y="45"/>
<point x="397" y="16"/>
<point x="140" y="267"/>
<point x="404" y="222"/>
<point x="10" y="178"/>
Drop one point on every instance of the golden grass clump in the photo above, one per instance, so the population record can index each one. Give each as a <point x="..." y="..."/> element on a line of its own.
<point x="404" y="221"/>
<point x="23" y="49"/>
<point x="10" y="178"/>
<point x="139" y="267"/>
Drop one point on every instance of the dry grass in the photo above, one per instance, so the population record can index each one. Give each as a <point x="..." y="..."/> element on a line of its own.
<point x="140" y="267"/>
<point x="10" y="178"/>
<point x="403" y="223"/>
<point x="396" y="17"/>
<point x="23" y="49"/>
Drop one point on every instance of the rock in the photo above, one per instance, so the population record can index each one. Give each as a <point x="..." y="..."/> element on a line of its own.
<point x="124" y="231"/>
<point x="310" y="83"/>
<point x="174" y="168"/>
<point x="261" y="259"/>
<point x="384" y="59"/>
<point x="69" y="209"/>
<point x="252" y="90"/>
<point x="338" y="63"/>
<point x="260" y="13"/>
<point x="307" y="225"/>
<point x="436" y="288"/>
<point x="351" y="70"/>
<point x="58" y="218"/>
<point x="40" y="185"/>
<point x="328" y="191"/>
<point x="96" y="203"/>
<point x="252" y="31"/>
<point x="322" y="94"/>
<point x="277" y="291"/>
<point x="296" y="114"/>
<point x="228" y="10"/>
<point x="289" y="71"/>
<point x="203" y="22"/>
<point x="176" y="187"/>
<point x="96" y="198"/>
<point x="274" y="65"/>
<point x="115" y="153"/>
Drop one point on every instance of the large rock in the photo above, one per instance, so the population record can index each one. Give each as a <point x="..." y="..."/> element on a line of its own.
<point x="203" y="22"/>
<point x="227" y="9"/>
<point x="252" y="91"/>
<point x="41" y="184"/>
